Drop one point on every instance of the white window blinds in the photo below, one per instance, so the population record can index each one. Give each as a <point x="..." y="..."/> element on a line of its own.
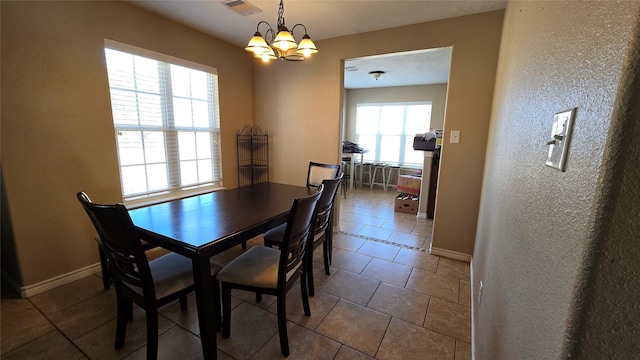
<point x="167" y="124"/>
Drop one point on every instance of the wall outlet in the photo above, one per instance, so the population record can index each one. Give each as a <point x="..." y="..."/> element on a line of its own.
<point x="480" y="292"/>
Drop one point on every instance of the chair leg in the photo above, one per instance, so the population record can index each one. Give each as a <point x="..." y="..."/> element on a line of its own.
<point x="122" y="319"/>
<point x="130" y="311"/>
<point x="152" y="334"/>
<point x="282" y="323"/>
<point x="183" y="302"/>
<point x="104" y="266"/>
<point x="327" y="246"/>
<point x="325" y="255"/>
<point x="305" y="296"/>
<point x="309" y="276"/>
<point x="258" y="296"/>
<point x="226" y="310"/>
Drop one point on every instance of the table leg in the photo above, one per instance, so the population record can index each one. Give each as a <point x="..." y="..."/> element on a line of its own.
<point x="205" y="303"/>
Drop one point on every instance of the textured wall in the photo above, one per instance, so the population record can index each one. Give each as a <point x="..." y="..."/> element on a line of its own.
<point x="535" y="222"/>
<point x="606" y="314"/>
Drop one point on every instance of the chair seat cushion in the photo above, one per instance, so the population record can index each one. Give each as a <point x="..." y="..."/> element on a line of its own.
<point x="258" y="267"/>
<point x="172" y="273"/>
<point x="276" y="234"/>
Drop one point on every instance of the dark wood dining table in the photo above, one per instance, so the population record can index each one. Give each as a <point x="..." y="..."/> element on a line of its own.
<point x="201" y="226"/>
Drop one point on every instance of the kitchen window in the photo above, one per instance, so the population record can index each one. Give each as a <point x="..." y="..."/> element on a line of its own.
<point x="387" y="131"/>
<point x="166" y="122"/>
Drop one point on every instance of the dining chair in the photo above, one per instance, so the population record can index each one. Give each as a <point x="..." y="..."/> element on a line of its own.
<point x="265" y="270"/>
<point x="315" y="174"/>
<point x="149" y="284"/>
<point x="104" y="260"/>
<point x="322" y="231"/>
<point x="318" y="172"/>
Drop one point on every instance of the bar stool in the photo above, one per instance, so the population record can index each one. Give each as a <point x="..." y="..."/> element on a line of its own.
<point x="346" y="168"/>
<point x="357" y="170"/>
<point x="390" y="169"/>
<point x="366" y="169"/>
<point x="382" y="167"/>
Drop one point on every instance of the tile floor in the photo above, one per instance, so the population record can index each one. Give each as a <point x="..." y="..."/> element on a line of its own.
<point x="386" y="298"/>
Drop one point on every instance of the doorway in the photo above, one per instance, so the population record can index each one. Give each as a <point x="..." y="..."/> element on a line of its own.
<point x="398" y="78"/>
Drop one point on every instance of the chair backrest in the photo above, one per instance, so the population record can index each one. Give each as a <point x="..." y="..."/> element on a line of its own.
<point x="296" y="234"/>
<point x="318" y="172"/>
<point x="325" y="203"/>
<point x="121" y="242"/>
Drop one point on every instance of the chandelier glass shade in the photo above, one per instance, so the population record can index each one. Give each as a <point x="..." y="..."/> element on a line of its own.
<point x="282" y="45"/>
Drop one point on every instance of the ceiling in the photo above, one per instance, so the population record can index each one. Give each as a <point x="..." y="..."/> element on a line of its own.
<point x="326" y="19"/>
<point x="420" y="67"/>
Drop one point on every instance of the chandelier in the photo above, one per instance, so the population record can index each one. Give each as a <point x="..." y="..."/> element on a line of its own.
<point x="282" y="45"/>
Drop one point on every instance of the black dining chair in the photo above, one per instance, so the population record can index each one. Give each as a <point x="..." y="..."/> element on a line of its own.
<point x="149" y="284"/>
<point x="318" y="172"/>
<point x="104" y="260"/>
<point x="265" y="270"/>
<point x="322" y="231"/>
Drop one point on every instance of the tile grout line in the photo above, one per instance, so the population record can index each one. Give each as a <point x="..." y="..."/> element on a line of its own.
<point x="56" y="329"/>
<point x="387" y="242"/>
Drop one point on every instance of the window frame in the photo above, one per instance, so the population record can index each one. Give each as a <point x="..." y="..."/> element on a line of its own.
<point x="170" y="132"/>
<point x="373" y="155"/>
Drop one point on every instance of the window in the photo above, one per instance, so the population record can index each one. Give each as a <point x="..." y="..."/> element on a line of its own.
<point x="387" y="131"/>
<point x="167" y="124"/>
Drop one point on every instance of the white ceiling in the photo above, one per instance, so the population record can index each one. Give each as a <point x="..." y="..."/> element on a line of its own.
<point x="326" y="19"/>
<point x="421" y="67"/>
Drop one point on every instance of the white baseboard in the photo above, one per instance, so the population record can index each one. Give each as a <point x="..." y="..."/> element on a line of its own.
<point x="30" y="290"/>
<point x="421" y="215"/>
<point x="46" y="285"/>
<point x="455" y="255"/>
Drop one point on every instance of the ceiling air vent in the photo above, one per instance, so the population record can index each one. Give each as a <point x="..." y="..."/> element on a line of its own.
<point x="242" y="7"/>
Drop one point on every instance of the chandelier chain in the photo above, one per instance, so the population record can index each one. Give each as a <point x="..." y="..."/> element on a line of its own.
<point x="281" y="16"/>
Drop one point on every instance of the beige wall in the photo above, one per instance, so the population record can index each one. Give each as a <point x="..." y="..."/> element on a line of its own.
<point x="558" y="251"/>
<point x="436" y="93"/>
<point x="57" y="132"/>
<point x="57" y="135"/>
<point x="301" y="105"/>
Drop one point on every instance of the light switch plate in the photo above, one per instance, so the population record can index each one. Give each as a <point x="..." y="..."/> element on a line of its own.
<point x="455" y="136"/>
<point x="560" y="139"/>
